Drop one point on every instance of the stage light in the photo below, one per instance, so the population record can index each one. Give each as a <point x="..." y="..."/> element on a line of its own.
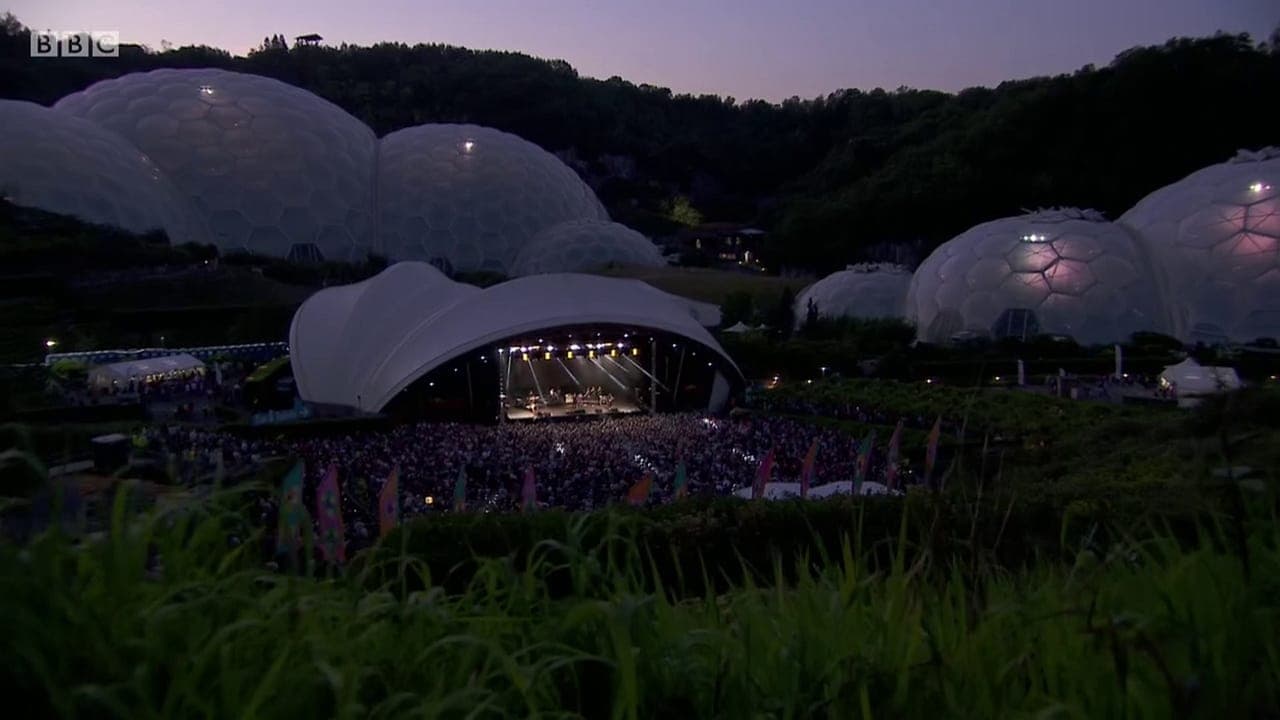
<point x="551" y="347"/>
<point x="429" y="499"/>
<point x="546" y="356"/>
<point x="708" y="364"/>
<point x="51" y="343"/>
<point x="575" y="346"/>
<point x="431" y="384"/>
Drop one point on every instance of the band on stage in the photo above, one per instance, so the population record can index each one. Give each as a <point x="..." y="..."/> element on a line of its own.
<point x="594" y="397"/>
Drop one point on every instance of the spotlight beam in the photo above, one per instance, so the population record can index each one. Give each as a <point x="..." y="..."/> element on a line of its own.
<point x="641" y="369"/>
<point x="569" y="373"/>
<point x="536" y="384"/>
<point x="605" y="370"/>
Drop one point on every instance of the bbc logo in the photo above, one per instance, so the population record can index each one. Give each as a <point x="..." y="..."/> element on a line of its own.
<point x="75" y="44"/>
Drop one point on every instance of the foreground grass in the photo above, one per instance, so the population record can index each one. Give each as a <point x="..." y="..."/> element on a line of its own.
<point x="162" y="618"/>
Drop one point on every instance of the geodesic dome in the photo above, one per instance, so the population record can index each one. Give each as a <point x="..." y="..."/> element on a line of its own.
<point x="1064" y="272"/>
<point x="65" y="165"/>
<point x="266" y="165"/>
<point x="582" y="245"/>
<point x="1217" y="234"/>
<point x="472" y="196"/>
<point x="872" y="290"/>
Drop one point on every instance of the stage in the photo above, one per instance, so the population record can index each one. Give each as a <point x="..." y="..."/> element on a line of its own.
<point x="560" y="411"/>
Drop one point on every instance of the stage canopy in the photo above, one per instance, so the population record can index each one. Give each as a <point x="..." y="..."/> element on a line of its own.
<point x="1191" y="378"/>
<point x="148" y="369"/>
<point x="359" y="345"/>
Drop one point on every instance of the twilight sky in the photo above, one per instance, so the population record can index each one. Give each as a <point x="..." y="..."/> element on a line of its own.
<point x="745" y="48"/>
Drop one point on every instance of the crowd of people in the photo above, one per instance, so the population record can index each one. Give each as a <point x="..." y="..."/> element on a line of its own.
<point x="577" y="465"/>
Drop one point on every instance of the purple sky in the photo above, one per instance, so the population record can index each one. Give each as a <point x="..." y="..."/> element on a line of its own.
<point x="746" y="48"/>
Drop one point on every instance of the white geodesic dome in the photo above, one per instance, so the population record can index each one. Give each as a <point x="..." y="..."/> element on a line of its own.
<point x="472" y="197"/>
<point x="1217" y="234"/>
<point x="65" y="165"/>
<point x="869" y="291"/>
<point x="582" y="245"/>
<point x="267" y="166"/>
<point x="1063" y="272"/>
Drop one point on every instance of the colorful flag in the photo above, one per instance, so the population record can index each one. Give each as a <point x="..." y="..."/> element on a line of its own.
<point x="389" y="503"/>
<point x="864" y="461"/>
<point x="219" y="468"/>
<point x="891" y="462"/>
<point x="931" y="450"/>
<point x="762" y="476"/>
<point x="806" y="469"/>
<point x="329" y="513"/>
<point x="639" y="492"/>
<point x="460" y="490"/>
<point x="682" y="481"/>
<point x="292" y="512"/>
<point x="529" y="493"/>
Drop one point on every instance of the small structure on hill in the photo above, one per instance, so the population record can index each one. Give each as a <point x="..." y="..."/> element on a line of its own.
<point x="1190" y="382"/>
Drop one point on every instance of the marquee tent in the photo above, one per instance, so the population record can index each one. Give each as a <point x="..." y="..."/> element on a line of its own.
<point x="1191" y="378"/>
<point x="148" y="369"/>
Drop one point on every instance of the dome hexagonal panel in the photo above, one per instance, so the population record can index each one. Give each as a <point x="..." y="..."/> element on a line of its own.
<point x="1215" y="229"/>
<point x="481" y="194"/>
<point x="860" y="291"/>
<point x="249" y="145"/>
<point x="1073" y="271"/>
<point x="70" y="166"/>
<point x="584" y="245"/>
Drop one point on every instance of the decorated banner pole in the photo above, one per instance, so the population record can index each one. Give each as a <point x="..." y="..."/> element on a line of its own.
<point x="529" y="492"/>
<point x="389" y="504"/>
<point x="460" y="491"/>
<point x="292" y="512"/>
<point x="329" y="511"/>
<point x="864" y="462"/>
<point x="806" y="469"/>
<point x="682" y="481"/>
<point x="931" y="450"/>
<point x="762" y="476"/>
<point x="639" y="492"/>
<point x="891" y="462"/>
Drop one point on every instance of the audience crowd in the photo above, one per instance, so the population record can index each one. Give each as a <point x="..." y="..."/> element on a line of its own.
<point x="577" y="465"/>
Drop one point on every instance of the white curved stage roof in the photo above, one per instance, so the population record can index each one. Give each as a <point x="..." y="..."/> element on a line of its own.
<point x="359" y="345"/>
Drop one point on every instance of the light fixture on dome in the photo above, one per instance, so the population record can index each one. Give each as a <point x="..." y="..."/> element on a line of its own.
<point x="206" y="90"/>
<point x="1034" y="238"/>
<point x="468" y="146"/>
<point x="1259" y="187"/>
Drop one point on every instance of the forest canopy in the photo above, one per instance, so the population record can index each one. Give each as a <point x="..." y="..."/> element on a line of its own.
<point x="854" y="175"/>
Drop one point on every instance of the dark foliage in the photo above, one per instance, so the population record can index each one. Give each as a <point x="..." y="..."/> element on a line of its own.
<point x="840" y="178"/>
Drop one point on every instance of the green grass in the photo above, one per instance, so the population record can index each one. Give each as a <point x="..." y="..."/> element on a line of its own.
<point x="1143" y="628"/>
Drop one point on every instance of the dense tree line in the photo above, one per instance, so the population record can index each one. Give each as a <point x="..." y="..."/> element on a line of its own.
<point x="839" y="178"/>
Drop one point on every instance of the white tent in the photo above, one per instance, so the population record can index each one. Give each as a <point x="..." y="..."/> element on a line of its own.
<point x="156" y="368"/>
<point x="1191" y="378"/>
